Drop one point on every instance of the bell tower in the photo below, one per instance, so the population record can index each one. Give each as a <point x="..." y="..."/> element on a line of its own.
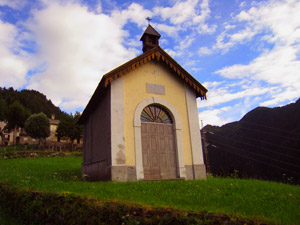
<point x="150" y="38"/>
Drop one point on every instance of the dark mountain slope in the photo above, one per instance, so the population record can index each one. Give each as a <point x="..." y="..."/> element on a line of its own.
<point x="34" y="101"/>
<point x="265" y="144"/>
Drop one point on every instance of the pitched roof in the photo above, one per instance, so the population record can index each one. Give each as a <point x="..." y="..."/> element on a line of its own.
<point x="150" y="30"/>
<point x="155" y="54"/>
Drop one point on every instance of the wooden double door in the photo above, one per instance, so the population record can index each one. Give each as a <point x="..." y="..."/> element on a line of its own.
<point x="159" y="152"/>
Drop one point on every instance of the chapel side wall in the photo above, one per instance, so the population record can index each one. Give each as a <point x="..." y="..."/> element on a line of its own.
<point x="197" y="170"/>
<point x="135" y="91"/>
<point x="97" y="143"/>
<point x="119" y="169"/>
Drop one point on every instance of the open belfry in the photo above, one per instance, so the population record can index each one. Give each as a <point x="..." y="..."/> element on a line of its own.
<point x="142" y="121"/>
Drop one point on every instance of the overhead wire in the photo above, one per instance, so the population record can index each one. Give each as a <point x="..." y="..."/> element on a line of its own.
<point x="279" y="153"/>
<point x="243" y="156"/>
<point x="280" y="161"/>
<point x="296" y="139"/>
<point x="273" y="128"/>
<point x="266" y="142"/>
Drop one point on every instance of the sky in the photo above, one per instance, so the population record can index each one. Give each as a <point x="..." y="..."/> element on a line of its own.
<point x="246" y="53"/>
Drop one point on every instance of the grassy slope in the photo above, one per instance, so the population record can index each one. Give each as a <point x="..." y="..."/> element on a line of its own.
<point x="268" y="201"/>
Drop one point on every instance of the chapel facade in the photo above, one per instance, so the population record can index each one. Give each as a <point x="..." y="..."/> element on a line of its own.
<point x="142" y="121"/>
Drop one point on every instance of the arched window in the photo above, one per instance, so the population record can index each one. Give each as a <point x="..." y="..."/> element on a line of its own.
<point x="156" y="114"/>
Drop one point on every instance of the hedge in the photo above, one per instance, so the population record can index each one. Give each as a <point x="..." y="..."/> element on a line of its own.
<point x="47" y="208"/>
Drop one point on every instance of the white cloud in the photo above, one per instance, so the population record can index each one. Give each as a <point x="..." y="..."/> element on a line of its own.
<point x="282" y="18"/>
<point x="225" y="41"/>
<point x="243" y="4"/>
<point x="186" y="14"/>
<point x="163" y="41"/>
<point x="220" y="44"/>
<point x="214" y="116"/>
<point x="15" y="4"/>
<point x="213" y="84"/>
<point x="184" y="44"/>
<point x="229" y="26"/>
<point x="133" y="42"/>
<point x="243" y="16"/>
<point x="171" y="52"/>
<point x="279" y="67"/>
<point x="205" y="51"/>
<point x="196" y="69"/>
<point x="98" y="8"/>
<point x="134" y="13"/>
<point x="78" y="47"/>
<point x="205" y="29"/>
<point x="13" y="66"/>
<point x="243" y="35"/>
<point x="181" y="12"/>
<point x="190" y="63"/>
<point x="205" y="12"/>
<point x="287" y="94"/>
<point x="279" y="20"/>
<point x="171" y="31"/>
<point x="226" y="114"/>
<point x="221" y="93"/>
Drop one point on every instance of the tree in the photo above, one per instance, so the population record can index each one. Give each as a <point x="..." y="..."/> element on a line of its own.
<point x="77" y="129"/>
<point x="16" y="117"/>
<point x="69" y="128"/>
<point x="64" y="127"/>
<point x="32" y="100"/>
<point x="3" y="110"/>
<point x="38" y="126"/>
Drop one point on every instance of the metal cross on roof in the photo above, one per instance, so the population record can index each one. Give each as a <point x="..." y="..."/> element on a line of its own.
<point x="148" y="18"/>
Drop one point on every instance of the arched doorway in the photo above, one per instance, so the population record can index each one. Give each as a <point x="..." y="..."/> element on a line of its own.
<point x="158" y="143"/>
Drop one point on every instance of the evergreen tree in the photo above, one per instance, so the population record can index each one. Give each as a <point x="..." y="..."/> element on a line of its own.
<point x="32" y="100"/>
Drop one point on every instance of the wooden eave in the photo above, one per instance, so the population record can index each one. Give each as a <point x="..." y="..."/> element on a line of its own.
<point x="156" y="54"/>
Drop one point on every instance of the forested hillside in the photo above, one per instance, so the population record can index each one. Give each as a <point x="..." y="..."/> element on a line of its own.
<point x="264" y="144"/>
<point x="32" y="100"/>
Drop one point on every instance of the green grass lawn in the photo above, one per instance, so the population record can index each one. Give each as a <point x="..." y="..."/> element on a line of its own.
<point x="267" y="201"/>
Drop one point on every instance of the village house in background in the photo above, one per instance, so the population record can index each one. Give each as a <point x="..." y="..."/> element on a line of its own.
<point x="142" y="120"/>
<point x="8" y="135"/>
<point x="53" y="126"/>
<point x="23" y="138"/>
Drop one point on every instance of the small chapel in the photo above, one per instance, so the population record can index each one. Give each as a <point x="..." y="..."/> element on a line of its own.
<point x="142" y="121"/>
